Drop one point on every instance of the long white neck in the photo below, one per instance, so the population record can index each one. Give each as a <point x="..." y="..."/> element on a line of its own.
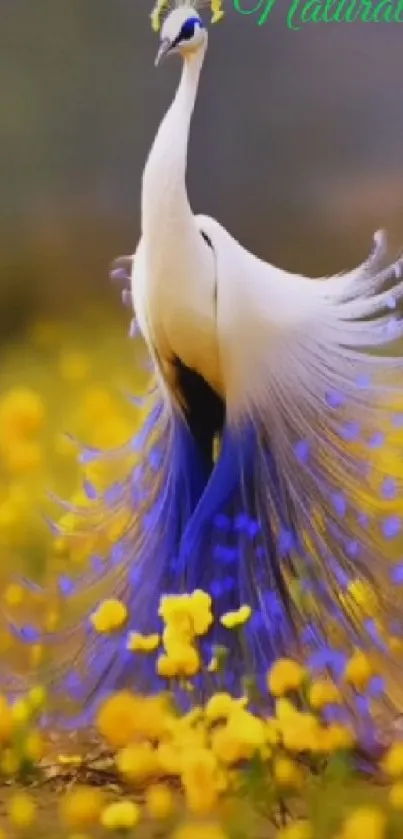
<point x="164" y="196"/>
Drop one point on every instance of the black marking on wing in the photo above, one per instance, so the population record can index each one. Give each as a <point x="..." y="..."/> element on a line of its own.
<point x="207" y="239"/>
<point x="210" y="244"/>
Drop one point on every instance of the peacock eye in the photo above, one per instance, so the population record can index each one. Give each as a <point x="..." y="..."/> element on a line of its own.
<point x="187" y="30"/>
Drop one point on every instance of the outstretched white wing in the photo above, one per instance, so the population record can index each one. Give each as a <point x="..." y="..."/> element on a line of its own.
<point x="299" y="337"/>
<point x="316" y="367"/>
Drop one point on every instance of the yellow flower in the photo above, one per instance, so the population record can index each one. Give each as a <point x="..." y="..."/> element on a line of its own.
<point x="240" y="738"/>
<point x="182" y="660"/>
<point x="336" y="737"/>
<point x="217" y="12"/>
<point x="301" y="732"/>
<point x="286" y="675"/>
<point x="34" y="747"/>
<point x="169" y="758"/>
<point x="125" y="716"/>
<point x="116" y="718"/>
<point x="272" y="732"/>
<point x="221" y="705"/>
<point x="9" y="762"/>
<point x="113" y="432"/>
<point x="324" y="692"/>
<point x="37" y="697"/>
<point x="359" y="670"/>
<point x="200" y="830"/>
<point x="23" y="456"/>
<point x="64" y="446"/>
<point x="14" y="595"/>
<point x="138" y="643"/>
<point x="74" y="366"/>
<point x="250" y="729"/>
<point x="393" y="761"/>
<point x="81" y="807"/>
<point x="160" y="803"/>
<point x="365" y="821"/>
<point x="396" y="796"/>
<point x="21" y="810"/>
<point x="122" y="815"/>
<point x="109" y="616"/>
<point x="195" y="715"/>
<point x="97" y="402"/>
<point x="21" y="711"/>
<point x="226" y="746"/>
<point x="285" y="709"/>
<point x="185" y="736"/>
<point x="296" y="830"/>
<point x="174" y="635"/>
<point x="231" y="620"/>
<point x="187" y="614"/>
<point x="202" y="779"/>
<point x="200" y="605"/>
<point x="21" y="412"/>
<point x="174" y="611"/>
<point x="287" y="773"/>
<point x="166" y="667"/>
<point x="138" y="762"/>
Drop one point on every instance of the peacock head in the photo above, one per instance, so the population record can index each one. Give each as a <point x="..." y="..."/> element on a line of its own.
<point x="182" y="32"/>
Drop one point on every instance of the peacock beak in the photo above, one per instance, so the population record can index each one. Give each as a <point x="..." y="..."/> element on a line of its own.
<point x="164" y="47"/>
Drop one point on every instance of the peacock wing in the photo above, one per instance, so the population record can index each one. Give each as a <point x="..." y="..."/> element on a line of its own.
<point x="315" y="368"/>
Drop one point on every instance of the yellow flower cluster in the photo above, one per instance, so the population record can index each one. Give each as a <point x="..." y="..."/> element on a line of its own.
<point x="186" y="617"/>
<point x="359" y="670"/>
<point x="364" y="821"/>
<point x="393" y="766"/>
<point x="207" y="747"/>
<point x="21" y="743"/>
<point x="216" y="750"/>
<point x="210" y="750"/>
<point x="58" y="381"/>
<point x="125" y="717"/>
<point x="22" y="419"/>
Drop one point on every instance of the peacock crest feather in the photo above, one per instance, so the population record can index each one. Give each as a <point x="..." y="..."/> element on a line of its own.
<point x="162" y="6"/>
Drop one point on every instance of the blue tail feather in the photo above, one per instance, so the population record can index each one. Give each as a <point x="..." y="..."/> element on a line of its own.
<point x="242" y="533"/>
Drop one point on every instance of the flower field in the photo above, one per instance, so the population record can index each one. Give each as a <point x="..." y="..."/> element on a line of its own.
<point x="279" y="762"/>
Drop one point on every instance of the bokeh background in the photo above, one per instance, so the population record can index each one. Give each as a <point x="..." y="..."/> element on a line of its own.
<point x="297" y="147"/>
<point x="297" y="141"/>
